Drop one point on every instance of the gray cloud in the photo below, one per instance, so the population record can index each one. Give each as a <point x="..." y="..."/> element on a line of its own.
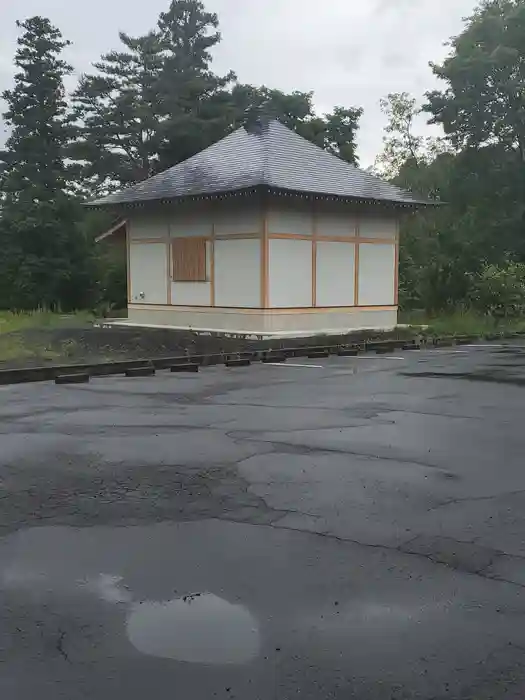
<point x="349" y="52"/>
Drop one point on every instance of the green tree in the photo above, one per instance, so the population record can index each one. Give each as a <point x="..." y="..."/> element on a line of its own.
<point x="402" y="147"/>
<point x="338" y="132"/>
<point x="153" y="103"/>
<point x="190" y="94"/>
<point x="335" y="131"/>
<point x="44" y="259"/>
<point x="445" y="251"/>
<point x="484" y="99"/>
<point x="118" y="116"/>
<point x="400" y="144"/>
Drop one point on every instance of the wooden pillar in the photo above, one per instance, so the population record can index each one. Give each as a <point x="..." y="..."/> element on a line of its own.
<point x="265" y="252"/>
<point x="128" y="261"/>
<point x="212" y="261"/>
<point x="314" y="253"/>
<point x="356" y="262"/>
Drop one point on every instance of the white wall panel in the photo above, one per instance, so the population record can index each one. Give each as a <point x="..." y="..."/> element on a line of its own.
<point x="376" y="274"/>
<point x="290" y="273"/>
<point x="193" y="293"/>
<point x="334" y="219"/>
<point x="186" y="220"/>
<point x="377" y="227"/>
<point x="149" y="226"/>
<point x="335" y="273"/>
<point x="238" y="217"/>
<point x="180" y="228"/>
<point x="238" y="273"/>
<point x="148" y="272"/>
<point x="290" y="217"/>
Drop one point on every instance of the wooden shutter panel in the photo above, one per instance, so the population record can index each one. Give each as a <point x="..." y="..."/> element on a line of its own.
<point x="189" y="259"/>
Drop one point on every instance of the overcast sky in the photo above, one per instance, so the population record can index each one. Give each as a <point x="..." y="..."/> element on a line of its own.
<point x="349" y="52"/>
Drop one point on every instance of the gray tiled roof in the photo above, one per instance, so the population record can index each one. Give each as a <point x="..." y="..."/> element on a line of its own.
<point x="271" y="156"/>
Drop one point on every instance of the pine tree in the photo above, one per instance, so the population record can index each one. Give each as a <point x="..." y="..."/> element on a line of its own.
<point x="118" y="116"/>
<point x="152" y="104"/>
<point x="193" y="99"/>
<point x="44" y="257"/>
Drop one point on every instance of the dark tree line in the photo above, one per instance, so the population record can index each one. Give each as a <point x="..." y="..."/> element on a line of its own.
<point x="155" y="101"/>
<point x="469" y="252"/>
<point x="46" y="258"/>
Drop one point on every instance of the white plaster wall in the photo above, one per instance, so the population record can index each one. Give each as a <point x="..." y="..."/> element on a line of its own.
<point x="229" y="217"/>
<point x="290" y="273"/>
<point x="376" y="274"/>
<point x="234" y="217"/>
<point x="371" y="226"/>
<point x="190" y="219"/>
<point x="337" y="219"/>
<point x="288" y="216"/>
<point x="335" y="273"/>
<point x="148" y="226"/>
<point x="193" y="293"/>
<point x="148" y="272"/>
<point x="186" y="228"/>
<point x="238" y="273"/>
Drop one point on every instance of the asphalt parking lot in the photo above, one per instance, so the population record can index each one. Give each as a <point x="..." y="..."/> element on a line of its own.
<point x="339" y="528"/>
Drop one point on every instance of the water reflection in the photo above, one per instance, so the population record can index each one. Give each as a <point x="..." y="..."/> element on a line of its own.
<point x="201" y="628"/>
<point x="196" y="628"/>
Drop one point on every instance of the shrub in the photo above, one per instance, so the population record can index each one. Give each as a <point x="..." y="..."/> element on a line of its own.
<point x="499" y="291"/>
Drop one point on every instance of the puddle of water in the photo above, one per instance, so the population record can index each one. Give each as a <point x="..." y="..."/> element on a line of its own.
<point x="122" y="580"/>
<point x="196" y="629"/>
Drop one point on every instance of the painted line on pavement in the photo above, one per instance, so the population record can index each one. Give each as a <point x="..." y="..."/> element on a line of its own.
<point x="487" y="346"/>
<point x="379" y="357"/>
<point x="291" y="364"/>
<point x="444" y="351"/>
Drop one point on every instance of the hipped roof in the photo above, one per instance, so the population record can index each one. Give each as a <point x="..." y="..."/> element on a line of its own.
<point x="270" y="156"/>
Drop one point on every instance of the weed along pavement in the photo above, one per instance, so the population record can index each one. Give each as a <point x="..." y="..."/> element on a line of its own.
<point x="343" y="527"/>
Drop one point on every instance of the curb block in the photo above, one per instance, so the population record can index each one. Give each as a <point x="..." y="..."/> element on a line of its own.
<point x="240" y="362"/>
<point x="444" y="342"/>
<point x="273" y="359"/>
<point x="465" y="339"/>
<point x="348" y="352"/>
<point x="192" y="363"/>
<point x="140" y="372"/>
<point x="76" y="378"/>
<point x="318" y="353"/>
<point x="187" y="367"/>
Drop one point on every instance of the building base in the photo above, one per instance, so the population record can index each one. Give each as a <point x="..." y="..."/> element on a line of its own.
<point x="263" y="322"/>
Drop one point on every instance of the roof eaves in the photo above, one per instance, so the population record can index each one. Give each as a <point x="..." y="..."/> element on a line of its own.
<point x="356" y="199"/>
<point x="116" y="227"/>
<point x="143" y="203"/>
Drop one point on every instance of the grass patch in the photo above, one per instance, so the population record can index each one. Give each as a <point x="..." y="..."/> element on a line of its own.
<point x="19" y="345"/>
<point x="11" y="321"/>
<point x="463" y="323"/>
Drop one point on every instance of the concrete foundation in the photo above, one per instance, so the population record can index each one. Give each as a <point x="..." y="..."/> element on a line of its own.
<point x="264" y="322"/>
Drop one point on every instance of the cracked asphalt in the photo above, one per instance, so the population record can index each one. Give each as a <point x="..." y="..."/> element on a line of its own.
<point x="339" y="528"/>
